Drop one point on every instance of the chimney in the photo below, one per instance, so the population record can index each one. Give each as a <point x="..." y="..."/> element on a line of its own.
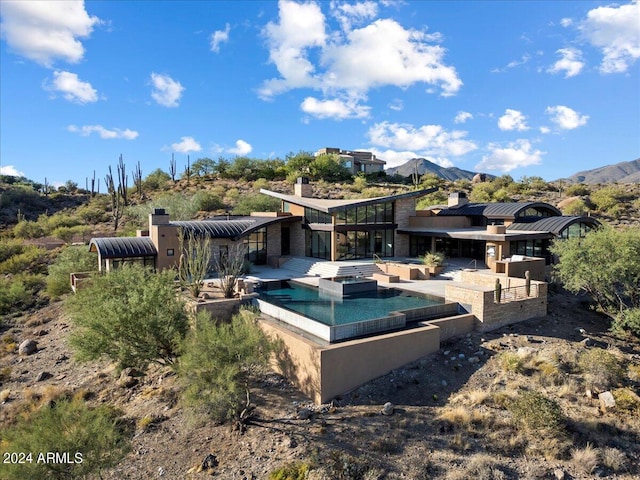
<point x="158" y="216"/>
<point x="457" y="199"/>
<point x="302" y="187"/>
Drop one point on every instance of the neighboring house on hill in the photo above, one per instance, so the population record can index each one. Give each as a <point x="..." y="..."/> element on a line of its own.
<point x="355" y="160"/>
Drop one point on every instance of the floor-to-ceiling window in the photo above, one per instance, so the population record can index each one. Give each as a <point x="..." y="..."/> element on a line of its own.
<point x="256" y="244"/>
<point x="318" y="244"/>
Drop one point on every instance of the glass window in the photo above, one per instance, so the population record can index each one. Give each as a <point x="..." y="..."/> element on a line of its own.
<point x="170" y="252"/>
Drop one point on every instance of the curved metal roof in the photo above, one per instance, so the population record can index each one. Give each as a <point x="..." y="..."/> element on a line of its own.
<point x="498" y="209"/>
<point x="233" y="228"/>
<point x="216" y="228"/>
<point x="123" y="247"/>
<point x="553" y="225"/>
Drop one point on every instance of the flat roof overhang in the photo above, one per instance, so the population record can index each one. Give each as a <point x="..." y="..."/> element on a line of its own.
<point x="475" y="234"/>
<point x="328" y="227"/>
<point x="331" y="205"/>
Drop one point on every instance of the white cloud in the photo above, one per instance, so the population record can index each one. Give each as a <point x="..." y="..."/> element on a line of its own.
<point x="570" y="62"/>
<point x="513" y="64"/>
<point x="515" y="155"/>
<point x="383" y="53"/>
<point x="353" y="13"/>
<point x="512" y="120"/>
<point x="186" y="145"/>
<point x="566" y="22"/>
<point x="336" y="108"/>
<point x="103" y="132"/>
<point x="545" y="130"/>
<point x="462" y="117"/>
<point x="46" y="30"/>
<point x="11" y="171"/>
<point x="166" y="91"/>
<point x="566" y="118"/>
<point x="424" y="141"/>
<point x="218" y="37"/>
<point x="241" y="148"/>
<point x="615" y="30"/>
<point x="396" y="105"/>
<point x="72" y="88"/>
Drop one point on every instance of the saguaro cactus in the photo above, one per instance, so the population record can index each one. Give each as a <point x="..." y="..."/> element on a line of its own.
<point x="498" y="290"/>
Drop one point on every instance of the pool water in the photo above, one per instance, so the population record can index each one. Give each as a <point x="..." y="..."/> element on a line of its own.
<point x="334" y="310"/>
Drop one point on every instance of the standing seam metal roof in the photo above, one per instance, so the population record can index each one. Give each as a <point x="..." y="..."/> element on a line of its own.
<point x="497" y="210"/>
<point x="232" y="228"/>
<point x="554" y="225"/>
<point x="123" y="247"/>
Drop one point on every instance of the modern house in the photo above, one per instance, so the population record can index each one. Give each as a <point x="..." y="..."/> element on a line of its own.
<point x="350" y="229"/>
<point x="356" y="160"/>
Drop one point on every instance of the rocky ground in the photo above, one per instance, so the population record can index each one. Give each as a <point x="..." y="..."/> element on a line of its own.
<point x="447" y="418"/>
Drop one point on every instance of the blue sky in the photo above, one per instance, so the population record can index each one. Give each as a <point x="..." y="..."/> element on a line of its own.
<point x="518" y="87"/>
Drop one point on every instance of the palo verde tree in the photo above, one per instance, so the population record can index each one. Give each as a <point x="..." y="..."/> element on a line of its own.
<point x="195" y="260"/>
<point x="130" y="315"/>
<point x="216" y="362"/>
<point x="606" y="265"/>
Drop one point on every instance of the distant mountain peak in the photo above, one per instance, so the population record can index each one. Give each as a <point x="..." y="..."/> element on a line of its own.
<point x="623" y="172"/>
<point x="423" y="166"/>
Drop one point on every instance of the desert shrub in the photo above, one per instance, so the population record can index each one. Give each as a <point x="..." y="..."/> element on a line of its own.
<point x="585" y="459"/>
<point x="627" y="400"/>
<point x="51" y="222"/>
<point x="32" y="260"/>
<point x="607" y="197"/>
<point x="601" y="368"/>
<point x="92" y="438"/>
<point x="359" y="184"/>
<point x="93" y="213"/>
<point x="216" y="362"/>
<point x="435" y="198"/>
<point x="178" y="205"/>
<point x="627" y="321"/>
<point x="10" y="247"/>
<point x="19" y="292"/>
<point x="207" y="202"/>
<point x="613" y="459"/>
<point x="481" y="466"/>
<point x="132" y="316"/>
<point x="577" y="207"/>
<point x="577" y="190"/>
<point x="261" y="183"/>
<point x="482" y="192"/>
<point x="67" y="234"/>
<point x="536" y="412"/>
<point x="70" y="260"/>
<point x="511" y="362"/>
<point x="291" y="471"/>
<point x="28" y="229"/>
<point x="256" y="203"/>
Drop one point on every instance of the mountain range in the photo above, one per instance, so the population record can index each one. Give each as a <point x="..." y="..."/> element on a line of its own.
<point x="623" y="172"/>
<point x="422" y="166"/>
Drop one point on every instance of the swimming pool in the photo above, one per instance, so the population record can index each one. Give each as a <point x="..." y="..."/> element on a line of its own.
<point x="333" y="318"/>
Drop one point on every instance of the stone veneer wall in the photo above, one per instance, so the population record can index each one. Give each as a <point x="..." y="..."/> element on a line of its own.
<point x="491" y="315"/>
<point x="405" y="209"/>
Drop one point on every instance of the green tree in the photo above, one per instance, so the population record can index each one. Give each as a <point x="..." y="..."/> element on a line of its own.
<point x="203" y="166"/>
<point x="71" y="259"/>
<point x="329" y="167"/>
<point x="605" y="264"/>
<point x="156" y="180"/>
<point x="131" y="315"/>
<point x="299" y="163"/>
<point x="216" y="363"/>
<point x="93" y="439"/>
<point x="256" y="202"/>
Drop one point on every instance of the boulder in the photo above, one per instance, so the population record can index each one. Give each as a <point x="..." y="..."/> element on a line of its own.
<point x="28" y="347"/>
<point x="388" y="409"/>
<point x="43" y="376"/>
<point x="606" y="400"/>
